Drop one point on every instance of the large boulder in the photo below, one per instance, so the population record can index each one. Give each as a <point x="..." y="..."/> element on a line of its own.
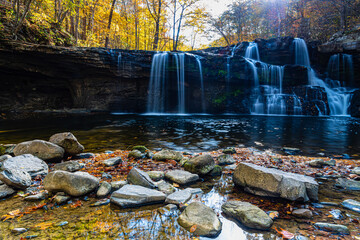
<point x="74" y="184"/>
<point x="181" y="177"/>
<point x="205" y="219"/>
<point x="168" y="155"/>
<point x="135" y="195"/>
<point x="16" y="178"/>
<point x="41" y="149"/>
<point x="202" y="164"/>
<point x="67" y="141"/>
<point x="249" y="215"/>
<point x="275" y="183"/>
<point x="28" y="163"/>
<point x="138" y="177"/>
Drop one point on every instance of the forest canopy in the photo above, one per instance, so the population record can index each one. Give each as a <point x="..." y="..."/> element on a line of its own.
<point x="172" y="24"/>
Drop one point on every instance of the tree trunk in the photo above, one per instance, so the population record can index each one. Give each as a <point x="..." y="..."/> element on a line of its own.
<point x="157" y="27"/>
<point x="109" y="24"/>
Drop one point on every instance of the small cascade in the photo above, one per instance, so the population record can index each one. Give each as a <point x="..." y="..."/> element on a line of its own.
<point x="119" y="62"/>
<point x="180" y="69"/>
<point x="341" y="68"/>
<point x="198" y="60"/>
<point x="156" y="95"/>
<point x="301" y="52"/>
<point x="252" y="51"/>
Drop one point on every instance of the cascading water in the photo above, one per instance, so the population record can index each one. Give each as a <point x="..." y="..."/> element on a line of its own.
<point x="340" y="68"/>
<point x="203" y="106"/>
<point x="180" y="69"/>
<point x="252" y="51"/>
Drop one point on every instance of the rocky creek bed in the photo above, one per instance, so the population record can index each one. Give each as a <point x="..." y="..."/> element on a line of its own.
<point x="51" y="190"/>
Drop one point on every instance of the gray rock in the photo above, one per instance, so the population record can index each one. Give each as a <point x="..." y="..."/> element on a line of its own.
<point x="205" y="219"/>
<point x="28" y="163"/>
<point x="201" y="164"/>
<point x="138" y="177"/>
<point x="6" y="191"/>
<point x="302" y="213"/>
<point x="348" y="184"/>
<point x="16" y="178"/>
<point x="225" y="159"/>
<point x="165" y="187"/>
<point x="40" y="196"/>
<point x="112" y="161"/>
<point x="61" y="198"/>
<point x="291" y="151"/>
<point x="18" y="230"/>
<point x="135" y="195"/>
<point x="136" y="154"/>
<point x="118" y="184"/>
<point x="68" y="142"/>
<point x="41" y="149"/>
<point x="5" y="157"/>
<point x="168" y="155"/>
<point x="156" y="175"/>
<point x="335" y="228"/>
<point x="104" y="190"/>
<point x="336" y="214"/>
<point x="181" y="177"/>
<point x="83" y="156"/>
<point x="352" y="205"/>
<point x="69" y="166"/>
<point x="101" y="202"/>
<point x="229" y="150"/>
<point x="330" y="204"/>
<point x="249" y="215"/>
<point x="75" y="184"/>
<point x="319" y="163"/>
<point x="179" y="197"/>
<point x="356" y="171"/>
<point x="106" y="175"/>
<point x="275" y="183"/>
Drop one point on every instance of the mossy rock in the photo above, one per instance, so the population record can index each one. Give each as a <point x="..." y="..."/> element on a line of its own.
<point x="136" y="154"/>
<point x="202" y="164"/>
<point x="2" y="150"/>
<point x="217" y="171"/>
<point x="140" y="148"/>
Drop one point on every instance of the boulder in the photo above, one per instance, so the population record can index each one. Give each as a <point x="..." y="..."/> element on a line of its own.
<point x="156" y="175"/>
<point x="302" y="213"/>
<point x="205" y="219"/>
<point x="179" y="197"/>
<point x="136" y="154"/>
<point x="348" y="184"/>
<point x="118" y="184"/>
<point x="249" y="215"/>
<point x="41" y="149"/>
<point x="275" y="183"/>
<point x="181" y="177"/>
<point x="16" y="178"/>
<point x="135" y="196"/>
<point x="28" y="163"/>
<point x="201" y="164"/>
<point x="335" y="228"/>
<point x="352" y="205"/>
<point x="165" y="187"/>
<point x="69" y="166"/>
<point x="6" y="191"/>
<point x="68" y="142"/>
<point x="138" y="177"/>
<point x="225" y="159"/>
<point x="112" y="161"/>
<point x="168" y="155"/>
<point x="104" y="190"/>
<point x="74" y="184"/>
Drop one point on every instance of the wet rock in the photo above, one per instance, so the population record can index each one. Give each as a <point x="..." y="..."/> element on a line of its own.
<point x="205" y="219"/>
<point x="106" y="175"/>
<point x="217" y="171"/>
<point x="135" y="195"/>
<point x="68" y="142"/>
<point x="329" y="204"/>
<point x="156" y="175"/>
<point x="104" y="190"/>
<point x="181" y="177"/>
<point x="102" y="202"/>
<point x="28" y="163"/>
<point x="16" y="178"/>
<point x="83" y="156"/>
<point x="40" y="196"/>
<point x="337" y="214"/>
<point x="249" y="215"/>
<point x="347" y="184"/>
<point x="5" y="157"/>
<point x="225" y="159"/>
<point x="302" y="213"/>
<point x="301" y="238"/>
<point x="335" y="228"/>
<point x="230" y="150"/>
<point x="6" y="191"/>
<point x="63" y="223"/>
<point x="164" y="155"/>
<point x="18" y="230"/>
<point x="352" y="205"/>
<point x="69" y="166"/>
<point x="290" y="150"/>
<point x="138" y="177"/>
<point x="201" y="164"/>
<point x="319" y="163"/>
<point x="112" y="161"/>
<point x="118" y="184"/>
<point x="61" y="198"/>
<point x="179" y="197"/>
<point x="275" y="183"/>
<point x="142" y="149"/>
<point x="317" y="205"/>
<point x="136" y="154"/>
<point x="356" y="171"/>
<point x="44" y="150"/>
<point x="75" y="184"/>
<point x="165" y="187"/>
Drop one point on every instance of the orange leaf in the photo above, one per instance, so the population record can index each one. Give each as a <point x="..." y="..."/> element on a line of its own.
<point x="193" y="228"/>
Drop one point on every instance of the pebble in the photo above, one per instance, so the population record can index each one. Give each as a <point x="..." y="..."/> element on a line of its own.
<point x="101" y="203"/>
<point x="18" y="230"/>
<point x="63" y="223"/>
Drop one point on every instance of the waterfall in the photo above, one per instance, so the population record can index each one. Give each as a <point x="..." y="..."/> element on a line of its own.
<point x="252" y="51"/>
<point x="198" y="60"/>
<point x="156" y="95"/>
<point x="118" y="62"/>
<point x="180" y="69"/>
<point x="338" y="98"/>
<point x="340" y="68"/>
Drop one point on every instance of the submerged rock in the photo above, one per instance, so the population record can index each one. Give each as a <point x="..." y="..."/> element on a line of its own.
<point x="249" y="215"/>
<point x="168" y="155"/>
<point x="205" y="219"/>
<point x="275" y="183"/>
<point x="156" y="175"/>
<point x="335" y="228"/>
<point x="16" y="178"/>
<point x="6" y="191"/>
<point x="181" y="177"/>
<point x="75" y="184"/>
<point x="28" y="163"/>
<point x="302" y="213"/>
<point x="225" y="159"/>
<point x="41" y="149"/>
<point x="112" y="161"/>
<point x="352" y="205"/>
<point x="348" y="184"/>
<point x="68" y="142"/>
<point x="69" y="166"/>
<point x="104" y="190"/>
<point x="201" y="164"/>
<point x="138" y="177"/>
<point x="135" y="195"/>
